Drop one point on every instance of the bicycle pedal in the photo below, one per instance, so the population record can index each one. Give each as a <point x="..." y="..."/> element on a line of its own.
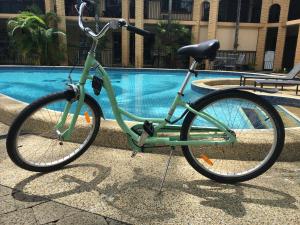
<point x="148" y="130"/>
<point x="148" y="127"/>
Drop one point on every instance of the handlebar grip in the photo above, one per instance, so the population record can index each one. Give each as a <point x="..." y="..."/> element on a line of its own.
<point x="138" y="30"/>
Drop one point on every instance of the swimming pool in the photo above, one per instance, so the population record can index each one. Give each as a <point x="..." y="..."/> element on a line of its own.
<point x="146" y="93"/>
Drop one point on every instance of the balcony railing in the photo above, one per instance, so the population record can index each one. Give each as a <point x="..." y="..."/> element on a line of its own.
<point x="158" y="9"/>
<point x="230" y="60"/>
<point x="8" y="6"/>
<point x="153" y="9"/>
<point x="7" y="58"/>
<point x="160" y="58"/>
<point x="77" y="55"/>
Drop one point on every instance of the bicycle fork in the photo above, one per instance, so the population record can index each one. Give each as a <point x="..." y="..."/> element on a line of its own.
<point x="66" y="135"/>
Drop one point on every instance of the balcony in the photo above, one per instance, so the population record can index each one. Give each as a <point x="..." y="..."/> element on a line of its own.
<point x="107" y="8"/>
<point x="158" y="9"/>
<point x="6" y="6"/>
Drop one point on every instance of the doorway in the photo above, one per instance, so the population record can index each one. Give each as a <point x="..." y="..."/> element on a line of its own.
<point x="290" y="47"/>
<point x="270" y="48"/>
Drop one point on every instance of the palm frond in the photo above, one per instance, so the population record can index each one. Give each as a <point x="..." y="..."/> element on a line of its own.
<point x="31" y="35"/>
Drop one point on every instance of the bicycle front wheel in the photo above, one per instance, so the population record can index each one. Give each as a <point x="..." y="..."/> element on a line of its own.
<point x="33" y="141"/>
<point x="259" y="135"/>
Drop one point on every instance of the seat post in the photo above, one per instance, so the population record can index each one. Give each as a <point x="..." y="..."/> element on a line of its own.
<point x="187" y="77"/>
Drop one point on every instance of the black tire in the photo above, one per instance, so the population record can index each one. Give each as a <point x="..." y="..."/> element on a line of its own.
<point x="26" y="117"/>
<point x="272" y="117"/>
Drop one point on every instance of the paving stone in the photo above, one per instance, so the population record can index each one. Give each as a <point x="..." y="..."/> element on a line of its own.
<point x="19" y="217"/>
<point x="10" y="203"/>
<point x="3" y="154"/>
<point x="3" y="132"/>
<point x="7" y="204"/>
<point x="3" y="129"/>
<point x="82" y="218"/>
<point x="51" y="211"/>
<point x="115" y="222"/>
<point x="22" y="200"/>
<point x="4" y="190"/>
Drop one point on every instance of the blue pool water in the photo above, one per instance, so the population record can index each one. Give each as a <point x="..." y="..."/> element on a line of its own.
<point x="142" y="92"/>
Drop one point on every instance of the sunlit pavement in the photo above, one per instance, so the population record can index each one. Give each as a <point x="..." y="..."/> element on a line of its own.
<point x="105" y="186"/>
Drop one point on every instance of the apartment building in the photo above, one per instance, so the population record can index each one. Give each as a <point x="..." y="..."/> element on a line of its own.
<point x="266" y="26"/>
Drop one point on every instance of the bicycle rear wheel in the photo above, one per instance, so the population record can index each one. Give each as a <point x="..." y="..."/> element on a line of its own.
<point x="33" y="142"/>
<point x="259" y="135"/>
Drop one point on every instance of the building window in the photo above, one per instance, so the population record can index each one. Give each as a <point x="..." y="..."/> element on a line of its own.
<point x="70" y="9"/>
<point x="132" y="9"/>
<point x="113" y="8"/>
<point x="271" y="39"/>
<point x="274" y="13"/>
<point x="227" y="10"/>
<point x="250" y="11"/>
<point x="7" y="6"/>
<point x="178" y="6"/>
<point x="294" y="11"/>
<point x="205" y="11"/>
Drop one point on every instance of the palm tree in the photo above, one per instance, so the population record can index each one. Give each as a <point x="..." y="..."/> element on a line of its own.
<point x="33" y="34"/>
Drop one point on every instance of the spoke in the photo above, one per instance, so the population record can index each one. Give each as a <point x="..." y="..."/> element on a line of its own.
<point x="39" y="145"/>
<point x="237" y="120"/>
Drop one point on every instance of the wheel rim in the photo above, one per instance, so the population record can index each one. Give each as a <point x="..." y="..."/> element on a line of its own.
<point x="256" y="135"/>
<point x="37" y="142"/>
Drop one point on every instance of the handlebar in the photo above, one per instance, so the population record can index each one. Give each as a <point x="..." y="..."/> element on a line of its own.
<point x="138" y="30"/>
<point x="114" y="24"/>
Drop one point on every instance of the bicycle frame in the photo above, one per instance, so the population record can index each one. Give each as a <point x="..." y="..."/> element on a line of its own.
<point x="220" y="131"/>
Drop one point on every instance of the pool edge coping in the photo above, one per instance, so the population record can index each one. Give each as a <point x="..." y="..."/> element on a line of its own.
<point x="203" y="85"/>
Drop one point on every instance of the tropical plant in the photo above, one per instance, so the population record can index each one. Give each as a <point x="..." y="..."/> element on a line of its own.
<point x="32" y="34"/>
<point x="171" y="36"/>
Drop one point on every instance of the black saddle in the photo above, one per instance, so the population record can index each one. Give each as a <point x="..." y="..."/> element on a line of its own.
<point x="204" y="50"/>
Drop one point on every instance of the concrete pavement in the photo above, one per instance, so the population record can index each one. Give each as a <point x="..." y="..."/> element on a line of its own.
<point x="107" y="183"/>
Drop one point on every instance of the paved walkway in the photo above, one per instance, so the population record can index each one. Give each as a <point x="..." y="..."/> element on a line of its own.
<point x="107" y="183"/>
<point x="18" y="208"/>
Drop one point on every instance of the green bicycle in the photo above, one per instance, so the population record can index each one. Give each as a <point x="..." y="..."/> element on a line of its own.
<point x="229" y="136"/>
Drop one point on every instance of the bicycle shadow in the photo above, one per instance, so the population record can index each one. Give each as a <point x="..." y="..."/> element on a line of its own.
<point x="139" y="198"/>
<point x="82" y="186"/>
<point x="228" y="198"/>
